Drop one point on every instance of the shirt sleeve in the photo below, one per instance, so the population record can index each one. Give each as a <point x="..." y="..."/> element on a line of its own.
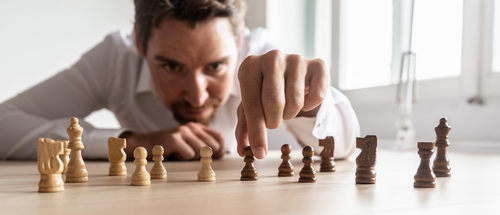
<point x="335" y="118"/>
<point x="45" y="109"/>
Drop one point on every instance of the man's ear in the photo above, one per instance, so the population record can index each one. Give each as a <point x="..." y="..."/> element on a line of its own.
<point x="138" y="43"/>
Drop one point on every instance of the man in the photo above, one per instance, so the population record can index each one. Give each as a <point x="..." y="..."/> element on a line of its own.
<point x="174" y="83"/>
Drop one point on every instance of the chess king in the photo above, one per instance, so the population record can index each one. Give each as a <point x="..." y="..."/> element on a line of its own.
<point x="189" y="75"/>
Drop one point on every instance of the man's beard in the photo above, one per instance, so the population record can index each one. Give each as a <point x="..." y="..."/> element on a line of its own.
<point x="176" y="108"/>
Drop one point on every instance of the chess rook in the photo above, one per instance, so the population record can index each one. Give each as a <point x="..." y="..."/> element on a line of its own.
<point x="77" y="171"/>
<point x="327" y="159"/>
<point x="441" y="163"/>
<point x="286" y="168"/>
<point x="50" y="165"/>
<point x="117" y="156"/>
<point x="140" y="177"/>
<point x="366" y="160"/>
<point x="307" y="173"/>
<point x="206" y="173"/>
<point x="65" y="155"/>
<point x="425" y="178"/>
<point x="158" y="171"/>
<point x="249" y="173"/>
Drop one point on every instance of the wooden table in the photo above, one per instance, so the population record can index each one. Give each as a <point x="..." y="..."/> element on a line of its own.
<point x="472" y="189"/>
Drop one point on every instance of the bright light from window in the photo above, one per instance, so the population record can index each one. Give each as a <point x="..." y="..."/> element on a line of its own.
<point x="496" y="39"/>
<point x="437" y="38"/>
<point x="366" y="44"/>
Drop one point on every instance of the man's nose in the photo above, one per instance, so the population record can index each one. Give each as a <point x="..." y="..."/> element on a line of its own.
<point x="196" y="89"/>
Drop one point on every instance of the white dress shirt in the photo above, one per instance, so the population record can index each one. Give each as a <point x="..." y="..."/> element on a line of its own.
<point x="114" y="76"/>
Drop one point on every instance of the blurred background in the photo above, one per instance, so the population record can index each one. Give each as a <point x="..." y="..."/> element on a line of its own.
<point x="403" y="64"/>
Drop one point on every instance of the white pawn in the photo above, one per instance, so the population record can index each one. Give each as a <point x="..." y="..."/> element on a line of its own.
<point x="140" y="177"/>
<point x="206" y="173"/>
<point x="158" y="171"/>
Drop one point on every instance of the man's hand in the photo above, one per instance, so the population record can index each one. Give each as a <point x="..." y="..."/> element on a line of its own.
<point x="276" y="87"/>
<point x="184" y="142"/>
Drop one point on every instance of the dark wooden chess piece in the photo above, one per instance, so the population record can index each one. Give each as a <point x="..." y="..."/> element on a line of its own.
<point x="425" y="178"/>
<point x="307" y="173"/>
<point x="366" y="160"/>
<point x="249" y="173"/>
<point x="286" y="168"/>
<point x="441" y="163"/>
<point x="327" y="159"/>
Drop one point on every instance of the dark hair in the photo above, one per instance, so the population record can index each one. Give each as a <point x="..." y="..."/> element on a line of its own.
<point x="150" y="13"/>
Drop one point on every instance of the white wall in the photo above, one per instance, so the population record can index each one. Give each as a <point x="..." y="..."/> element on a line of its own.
<point x="41" y="38"/>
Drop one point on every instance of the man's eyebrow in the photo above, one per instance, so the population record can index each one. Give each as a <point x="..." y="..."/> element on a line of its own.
<point x="165" y="59"/>
<point x="221" y="60"/>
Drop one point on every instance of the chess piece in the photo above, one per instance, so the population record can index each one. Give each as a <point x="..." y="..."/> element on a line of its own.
<point x="158" y="171"/>
<point x="65" y="155"/>
<point x="425" y="178"/>
<point x="249" y="173"/>
<point x="77" y="171"/>
<point x="206" y="173"/>
<point x="50" y="165"/>
<point x="366" y="160"/>
<point x="307" y="173"/>
<point x="140" y="177"/>
<point x="327" y="163"/>
<point x="286" y="168"/>
<point x="117" y="156"/>
<point x="441" y="166"/>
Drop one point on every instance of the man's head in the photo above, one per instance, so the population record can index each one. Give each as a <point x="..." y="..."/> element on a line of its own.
<point x="191" y="47"/>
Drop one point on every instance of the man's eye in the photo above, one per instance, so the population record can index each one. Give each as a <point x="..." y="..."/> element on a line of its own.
<point x="214" y="67"/>
<point x="172" y="67"/>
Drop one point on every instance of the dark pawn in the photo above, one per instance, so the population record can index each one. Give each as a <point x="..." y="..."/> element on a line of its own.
<point x="307" y="173"/>
<point x="425" y="178"/>
<point x="441" y="166"/>
<point x="366" y="160"/>
<point x="249" y="173"/>
<point x="327" y="159"/>
<point x="286" y="168"/>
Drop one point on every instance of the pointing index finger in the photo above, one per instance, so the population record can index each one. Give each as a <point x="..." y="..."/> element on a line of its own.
<point x="250" y="78"/>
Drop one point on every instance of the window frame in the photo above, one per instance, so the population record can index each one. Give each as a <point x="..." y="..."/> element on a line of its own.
<point x="476" y="78"/>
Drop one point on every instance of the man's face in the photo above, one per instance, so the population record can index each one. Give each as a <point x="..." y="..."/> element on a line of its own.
<point x="192" y="69"/>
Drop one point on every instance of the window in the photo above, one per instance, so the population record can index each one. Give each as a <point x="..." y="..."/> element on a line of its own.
<point x="374" y="35"/>
<point x="495" y="67"/>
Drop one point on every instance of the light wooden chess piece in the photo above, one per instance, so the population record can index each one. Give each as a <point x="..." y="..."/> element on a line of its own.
<point x="307" y="173"/>
<point x="65" y="155"/>
<point x="206" y="173"/>
<point x="50" y="165"/>
<point x="77" y="171"/>
<point x="249" y="173"/>
<point x="425" y="178"/>
<point x="117" y="156"/>
<point x="158" y="171"/>
<point x="366" y="160"/>
<point x="286" y="168"/>
<point x="327" y="159"/>
<point x="140" y="177"/>
<point x="442" y="166"/>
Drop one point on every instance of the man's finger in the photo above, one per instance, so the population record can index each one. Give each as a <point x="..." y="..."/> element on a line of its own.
<point x="241" y="132"/>
<point x="218" y="138"/>
<point x="273" y="87"/>
<point x="317" y="81"/>
<point x="251" y="84"/>
<point x="294" y="86"/>
<point x="201" y="132"/>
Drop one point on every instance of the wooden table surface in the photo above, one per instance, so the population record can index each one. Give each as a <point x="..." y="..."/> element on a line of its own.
<point x="472" y="189"/>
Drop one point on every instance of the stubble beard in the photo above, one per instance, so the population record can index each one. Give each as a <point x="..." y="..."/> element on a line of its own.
<point x="211" y="103"/>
